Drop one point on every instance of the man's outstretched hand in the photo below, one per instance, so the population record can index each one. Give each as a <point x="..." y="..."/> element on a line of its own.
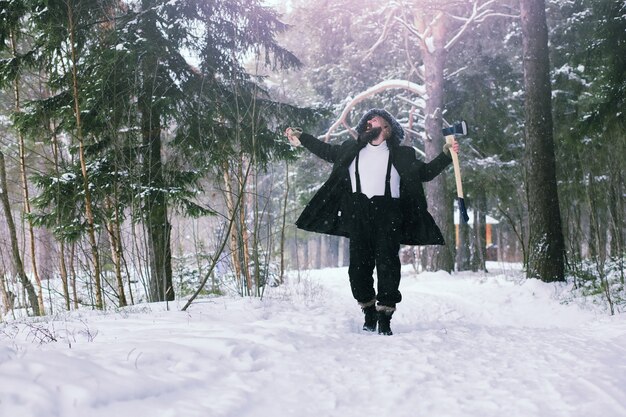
<point x="293" y="134"/>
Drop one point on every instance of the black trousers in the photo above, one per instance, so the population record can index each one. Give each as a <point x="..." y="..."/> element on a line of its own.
<point x="375" y="242"/>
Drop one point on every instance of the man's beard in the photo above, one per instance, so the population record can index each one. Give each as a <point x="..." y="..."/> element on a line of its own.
<point x="372" y="134"/>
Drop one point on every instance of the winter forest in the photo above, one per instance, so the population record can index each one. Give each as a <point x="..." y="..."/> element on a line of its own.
<point x="143" y="156"/>
<point x="149" y="258"/>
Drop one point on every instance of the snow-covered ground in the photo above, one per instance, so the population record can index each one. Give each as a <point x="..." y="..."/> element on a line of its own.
<point x="463" y="345"/>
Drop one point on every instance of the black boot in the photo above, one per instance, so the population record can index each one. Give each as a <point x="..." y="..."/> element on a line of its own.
<point x="371" y="318"/>
<point x="384" y="322"/>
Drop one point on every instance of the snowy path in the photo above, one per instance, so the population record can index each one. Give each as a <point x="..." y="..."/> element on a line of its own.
<point x="463" y="346"/>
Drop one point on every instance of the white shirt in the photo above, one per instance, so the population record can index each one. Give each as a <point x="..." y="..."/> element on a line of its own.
<point x="373" y="170"/>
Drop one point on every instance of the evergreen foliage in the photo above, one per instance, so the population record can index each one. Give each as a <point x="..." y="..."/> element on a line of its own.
<point x="174" y="71"/>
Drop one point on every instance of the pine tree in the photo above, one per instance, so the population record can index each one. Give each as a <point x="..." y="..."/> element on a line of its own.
<point x="546" y="245"/>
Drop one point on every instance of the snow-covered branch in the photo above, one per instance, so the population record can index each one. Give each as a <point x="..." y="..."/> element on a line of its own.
<point x="380" y="87"/>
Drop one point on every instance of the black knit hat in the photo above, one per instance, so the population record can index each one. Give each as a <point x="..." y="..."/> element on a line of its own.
<point x="397" y="133"/>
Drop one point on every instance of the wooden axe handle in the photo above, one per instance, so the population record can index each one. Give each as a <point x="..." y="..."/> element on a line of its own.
<point x="457" y="167"/>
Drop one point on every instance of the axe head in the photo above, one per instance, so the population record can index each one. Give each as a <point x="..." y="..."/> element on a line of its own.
<point x="458" y="128"/>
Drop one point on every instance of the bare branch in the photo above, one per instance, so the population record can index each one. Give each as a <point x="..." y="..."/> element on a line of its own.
<point x="497" y="14"/>
<point x="479" y="14"/>
<point x="413" y="29"/>
<point x="452" y="74"/>
<point x="417" y="104"/>
<point x="464" y="27"/>
<point x="380" y="87"/>
<point x="414" y="70"/>
<point x="388" y="24"/>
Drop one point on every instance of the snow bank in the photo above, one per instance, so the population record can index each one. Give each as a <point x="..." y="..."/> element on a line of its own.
<point x="463" y="345"/>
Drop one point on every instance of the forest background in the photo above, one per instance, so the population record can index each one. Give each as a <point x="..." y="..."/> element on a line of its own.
<point x="142" y="155"/>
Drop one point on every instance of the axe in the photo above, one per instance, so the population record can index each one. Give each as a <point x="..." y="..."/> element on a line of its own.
<point x="458" y="128"/>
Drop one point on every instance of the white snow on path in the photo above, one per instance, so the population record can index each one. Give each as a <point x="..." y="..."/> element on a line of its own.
<point x="463" y="345"/>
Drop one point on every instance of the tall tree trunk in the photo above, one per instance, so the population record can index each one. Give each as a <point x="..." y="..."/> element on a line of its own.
<point x="546" y="244"/>
<point x="233" y="241"/>
<point x="91" y="227"/>
<point x="479" y="252"/>
<point x="157" y="223"/>
<point x="62" y="265"/>
<point x="8" y="298"/>
<point x="25" y="190"/>
<point x="113" y="229"/>
<point x="281" y="277"/>
<point x="63" y="273"/>
<point x="245" y="243"/>
<point x="73" y="274"/>
<point x="479" y="241"/>
<point x="15" y="250"/>
<point x="434" y="56"/>
<point x="617" y="210"/>
<point x="616" y="206"/>
<point x="158" y="227"/>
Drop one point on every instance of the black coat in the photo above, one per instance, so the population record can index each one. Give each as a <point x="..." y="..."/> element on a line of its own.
<point x="329" y="209"/>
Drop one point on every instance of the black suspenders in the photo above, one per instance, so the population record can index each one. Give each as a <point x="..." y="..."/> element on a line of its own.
<point x="387" y="177"/>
